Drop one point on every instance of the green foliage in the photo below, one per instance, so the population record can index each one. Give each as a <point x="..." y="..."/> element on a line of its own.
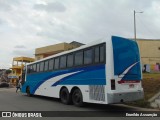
<point x="8" y="71"/>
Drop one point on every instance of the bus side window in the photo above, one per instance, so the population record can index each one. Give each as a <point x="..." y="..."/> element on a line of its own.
<point x="34" y="68"/>
<point x="56" y="66"/>
<point x="51" y="64"/>
<point x="46" y="65"/>
<point x="70" y="60"/>
<point x="88" y="56"/>
<point x="24" y="69"/>
<point x="63" y="61"/>
<point x="37" y="67"/>
<point x="96" y="54"/>
<point x="41" y="66"/>
<point x="102" y="53"/>
<point x="31" y="69"/>
<point x="28" y="69"/>
<point x="79" y="58"/>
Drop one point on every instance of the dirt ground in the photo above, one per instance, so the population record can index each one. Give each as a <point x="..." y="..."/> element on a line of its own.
<point x="151" y="84"/>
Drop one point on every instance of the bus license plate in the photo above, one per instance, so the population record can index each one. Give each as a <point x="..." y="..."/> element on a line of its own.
<point x="131" y="86"/>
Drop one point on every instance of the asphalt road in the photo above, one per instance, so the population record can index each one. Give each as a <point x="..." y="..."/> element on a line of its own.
<point x="12" y="101"/>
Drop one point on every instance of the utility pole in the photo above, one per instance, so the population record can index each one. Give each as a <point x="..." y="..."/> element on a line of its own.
<point x="135" y="25"/>
<point x="135" y="34"/>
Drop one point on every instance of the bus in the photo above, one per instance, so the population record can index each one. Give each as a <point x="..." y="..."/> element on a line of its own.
<point x="103" y="72"/>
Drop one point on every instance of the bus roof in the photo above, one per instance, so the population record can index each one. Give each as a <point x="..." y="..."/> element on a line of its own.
<point x="106" y="39"/>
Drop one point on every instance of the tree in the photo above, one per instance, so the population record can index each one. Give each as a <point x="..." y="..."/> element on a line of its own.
<point x="8" y="71"/>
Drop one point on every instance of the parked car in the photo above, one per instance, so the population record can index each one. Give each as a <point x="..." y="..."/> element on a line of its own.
<point x="4" y="84"/>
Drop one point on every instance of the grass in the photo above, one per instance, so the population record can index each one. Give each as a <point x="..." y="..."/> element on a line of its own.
<point x="151" y="86"/>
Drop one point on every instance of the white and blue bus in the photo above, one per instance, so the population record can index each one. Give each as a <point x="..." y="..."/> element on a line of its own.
<point x="103" y="72"/>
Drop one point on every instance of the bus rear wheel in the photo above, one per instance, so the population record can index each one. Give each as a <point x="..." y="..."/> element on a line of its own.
<point x="77" y="98"/>
<point x="65" y="96"/>
<point x="28" y="92"/>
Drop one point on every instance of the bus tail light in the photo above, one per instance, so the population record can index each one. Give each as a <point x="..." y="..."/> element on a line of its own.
<point x="128" y="81"/>
<point x="113" y="86"/>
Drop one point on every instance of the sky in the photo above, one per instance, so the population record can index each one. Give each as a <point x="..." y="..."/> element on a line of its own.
<point x="28" y="24"/>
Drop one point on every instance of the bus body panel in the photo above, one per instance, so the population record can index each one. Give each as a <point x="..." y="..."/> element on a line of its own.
<point x="127" y="71"/>
<point x="85" y="78"/>
<point x="94" y="81"/>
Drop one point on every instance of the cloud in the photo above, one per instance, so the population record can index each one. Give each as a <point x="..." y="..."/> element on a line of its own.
<point x="1" y="21"/>
<point x="29" y="24"/>
<point x="26" y="53"/>
<point x="20" y="46"/>
<point x="51" y="7"/>
<point x="7" y="5"/>
<point x="4" y="6"/>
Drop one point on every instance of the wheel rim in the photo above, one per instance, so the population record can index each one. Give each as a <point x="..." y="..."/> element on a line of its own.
<point x="77" y="97"/>
<point x="64" y="96"/>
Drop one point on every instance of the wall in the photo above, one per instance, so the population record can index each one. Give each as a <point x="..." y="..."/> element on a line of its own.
<point x="150" y="51"/>
<point x="52" y="49"/>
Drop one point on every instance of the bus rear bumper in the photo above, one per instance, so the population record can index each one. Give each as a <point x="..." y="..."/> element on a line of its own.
<point x="124" y="97"/>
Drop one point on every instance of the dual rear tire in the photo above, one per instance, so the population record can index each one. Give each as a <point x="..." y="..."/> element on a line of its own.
<point x="75" y="97"/>
<point x="66" y="98"/>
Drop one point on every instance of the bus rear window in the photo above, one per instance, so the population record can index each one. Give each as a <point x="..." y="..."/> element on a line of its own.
<point x="126" y="54"/>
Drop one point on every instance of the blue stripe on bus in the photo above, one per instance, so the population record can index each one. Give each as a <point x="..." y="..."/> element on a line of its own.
<point x="92" y="75"/>
<point x="83" y="78"/>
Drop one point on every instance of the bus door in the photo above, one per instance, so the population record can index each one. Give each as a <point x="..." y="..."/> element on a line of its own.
<point x="23" y="75"/>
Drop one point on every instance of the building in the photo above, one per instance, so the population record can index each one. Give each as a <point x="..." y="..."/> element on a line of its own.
<point x="3" y="76"/>
<point x="150" y="54"/>
<point x="54" y="49"/>
<point x="18" y="64"/>
<point x="150" y="51"/>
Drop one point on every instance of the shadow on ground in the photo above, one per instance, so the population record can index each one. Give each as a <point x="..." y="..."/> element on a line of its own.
<point x="91" y="106"/>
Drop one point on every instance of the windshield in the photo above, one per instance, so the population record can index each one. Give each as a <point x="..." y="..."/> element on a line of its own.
<point x="126" y="59"/>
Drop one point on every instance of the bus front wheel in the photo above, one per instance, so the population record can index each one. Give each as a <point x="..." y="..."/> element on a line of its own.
<point x="65" y="96"/>
<point x="28" y="92"/>
<point x="77" y="98"/>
